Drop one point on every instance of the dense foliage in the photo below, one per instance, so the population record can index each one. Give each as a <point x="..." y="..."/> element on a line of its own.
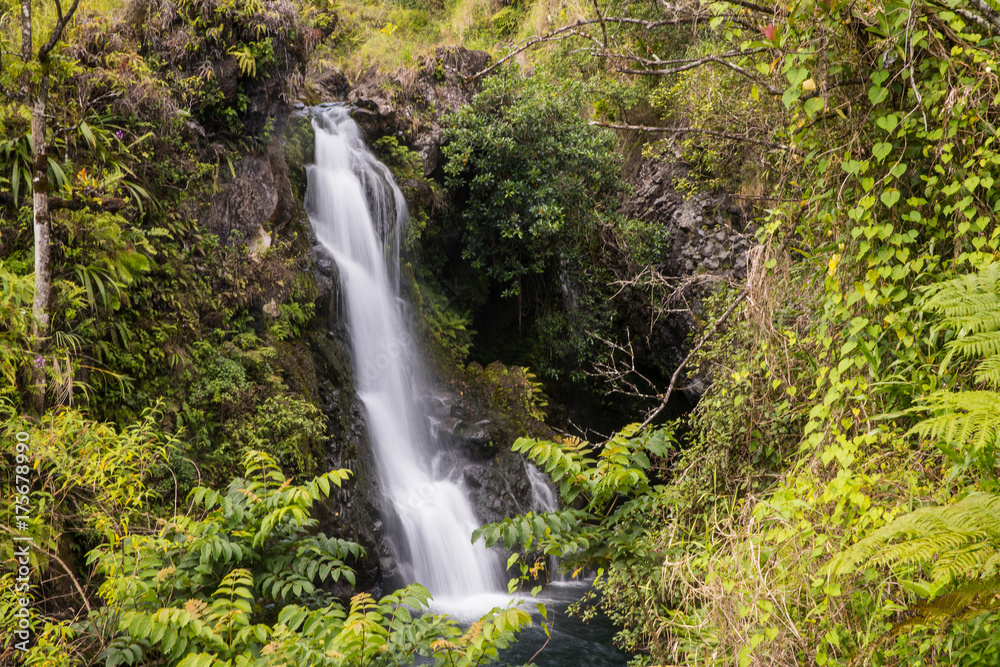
<point x="832" y="500"/>
<point x="533" y="190"/>
<point x="834" y="505"/>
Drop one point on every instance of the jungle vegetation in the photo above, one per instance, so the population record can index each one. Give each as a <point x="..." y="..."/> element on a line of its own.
<point x="833" y="497"/>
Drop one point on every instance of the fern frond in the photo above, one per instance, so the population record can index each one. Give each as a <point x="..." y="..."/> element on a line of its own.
<point x="985" y="344"/>
<point x="970" y="305"/>
<point x="968" y="294"/>
<point x="962" y="419"/>
<point x="963" y="603"/>
<point x="957" y="541"/>
<point x="989" y="371"/>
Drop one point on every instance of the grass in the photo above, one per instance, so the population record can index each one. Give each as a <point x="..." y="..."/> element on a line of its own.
<point x="393" y="34"/>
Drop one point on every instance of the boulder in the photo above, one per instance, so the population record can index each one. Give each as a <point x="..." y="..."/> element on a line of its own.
<point x="246" y="201"/>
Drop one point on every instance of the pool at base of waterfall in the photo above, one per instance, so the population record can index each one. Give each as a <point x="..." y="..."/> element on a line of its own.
<point x="573" y="643"/>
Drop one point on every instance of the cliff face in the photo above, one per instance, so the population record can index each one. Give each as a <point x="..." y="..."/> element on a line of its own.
<point x="409" y="105"/>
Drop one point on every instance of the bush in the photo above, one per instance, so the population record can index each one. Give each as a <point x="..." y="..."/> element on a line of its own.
<point x="534" y="177"/>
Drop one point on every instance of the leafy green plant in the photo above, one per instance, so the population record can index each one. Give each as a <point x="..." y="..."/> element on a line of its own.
<point x="532" y="175"/>
<point x="609" y="526"/>
<point x="291" y="430"/>
<point x="240" y="581"/>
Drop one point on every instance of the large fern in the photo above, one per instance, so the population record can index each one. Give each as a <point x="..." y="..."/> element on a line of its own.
<point x="970" y="305"/>
<point x="956" y="546"/>
<point x="965" y="425"/>
<point x="958" y="541"/>
<point x="950" y="544"/>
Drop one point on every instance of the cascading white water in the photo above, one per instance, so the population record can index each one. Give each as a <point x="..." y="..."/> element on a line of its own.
<point x="358" y="213"/>
<point x="543" y="499"/>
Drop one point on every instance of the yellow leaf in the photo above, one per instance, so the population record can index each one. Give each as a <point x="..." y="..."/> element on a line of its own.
<point x="809" y="84"/>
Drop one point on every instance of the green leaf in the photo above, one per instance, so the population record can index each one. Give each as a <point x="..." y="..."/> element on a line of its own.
<point x="813" y="105"/>
<point x="88" y="134"/>
<point x="877" y="94"/>
<point x="881" y="150"/>
<point x="889" y="197"/>
<point x="888" y="122"/>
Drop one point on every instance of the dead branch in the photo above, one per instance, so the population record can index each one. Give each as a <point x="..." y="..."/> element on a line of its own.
<point x="621" y="367"/>
<point x="65" y="567"/>
<point x="560" y="33"/>
<point x="704" y="61"/>
<point x="695" y="130"/>
<point x="704" y="339"/>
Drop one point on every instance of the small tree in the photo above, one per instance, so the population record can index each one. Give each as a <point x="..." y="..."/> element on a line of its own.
<point x="36" y="77"/>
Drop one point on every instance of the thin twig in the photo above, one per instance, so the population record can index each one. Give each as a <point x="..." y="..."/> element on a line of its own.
<point x="79" y="588"/>
<point x="559" y="33"/>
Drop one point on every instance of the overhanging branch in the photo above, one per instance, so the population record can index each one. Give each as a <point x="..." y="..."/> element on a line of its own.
<point x="695" y="130"/>
<point x="704" y="339"/>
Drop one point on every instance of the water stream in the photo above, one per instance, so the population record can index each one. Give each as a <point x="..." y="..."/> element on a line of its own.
<point x="358" y="214"/>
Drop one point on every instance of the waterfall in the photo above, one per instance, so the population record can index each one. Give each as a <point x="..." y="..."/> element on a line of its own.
<point x="543" y="499"/>
<point x="358" y="214"/>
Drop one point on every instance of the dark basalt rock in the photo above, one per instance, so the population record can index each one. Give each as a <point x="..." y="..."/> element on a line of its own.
<point x="709" y="240"/>
<point x="258" y="192"/>
<point x="498" y="487"/>
<point x="354" y="511"/>
<point x="474" y="441"/>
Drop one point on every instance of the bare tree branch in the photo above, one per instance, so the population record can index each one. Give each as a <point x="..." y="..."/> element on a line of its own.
<point x="758" y="8"/>
<point x="703" y="61"/>
<point x="57" y="31"/>
<point x="560" y="33"/>
<point x="696" y="130"/>
<point x="987" y="12"/>
<point x="704" y="339"/>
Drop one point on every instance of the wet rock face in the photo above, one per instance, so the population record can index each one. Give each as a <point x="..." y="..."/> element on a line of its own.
<point x="479" y="457"/>
<point x="499" y="487"/>
<point x="708" y="231"/>
<point x="474" y="441"/>
<point x="409" y="107"/>
<point x="354" y="511"/>
<point x="709" y="239"/>
<point x="257" y="192"/>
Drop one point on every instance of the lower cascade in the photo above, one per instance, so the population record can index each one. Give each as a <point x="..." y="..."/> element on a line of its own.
<point x="358" y="214"/>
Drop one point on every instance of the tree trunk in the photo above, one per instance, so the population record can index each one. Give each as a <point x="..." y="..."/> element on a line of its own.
<point x="40" y="188"/>
<point x="43" y="271"/>
<point x="38" y="87"/>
